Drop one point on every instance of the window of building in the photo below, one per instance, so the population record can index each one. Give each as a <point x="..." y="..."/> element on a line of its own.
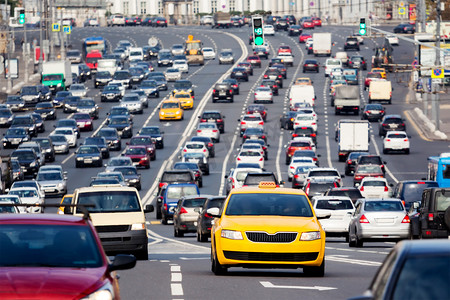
<point x="143" y="8"/>
<point x="232" y="5"/>
<point x="126" y="8"/>
<point x="195" y="7"/>
<point x="214" y="6"/>
<point x="160" y="7"/>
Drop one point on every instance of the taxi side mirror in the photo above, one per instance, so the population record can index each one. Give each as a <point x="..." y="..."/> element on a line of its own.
<point x="214" y="212"/>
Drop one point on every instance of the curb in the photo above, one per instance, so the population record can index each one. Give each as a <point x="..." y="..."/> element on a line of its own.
<point x="427" y="128"/>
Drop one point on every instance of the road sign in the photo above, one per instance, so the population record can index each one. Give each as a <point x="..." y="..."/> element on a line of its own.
<point x="415" y="63"/>
<point x="437" y="73"/>
<point x="67" y="29"/>
<point x="415" y="76"/>
<point x="401" y="11"/>
<point x="56" y="27"/>
<point x="152" y="41"/>
<point x="311" y="4"/>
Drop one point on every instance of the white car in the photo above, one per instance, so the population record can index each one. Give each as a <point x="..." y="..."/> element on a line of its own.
<point x="118" y="161"/>
<point x="308" y="43"/>
<point x="299" y="162"/>
<point x="195" y="147"/>
<point x="133" y="103"/>
<point x="177" y="49"/>
<point x="396" y="141"/>
<point x="206" y="20"/>
<point x="268" y="30"/>
<point x="250" y="156"/>
<point x="393" y="40"/>
<point x="28" y="183"/>
<point x="341" y="210"/>
<point x="263" y="94"/>
<point x="332" y="63"/>
<point x="287" y="58"/>
<point x="4" y="199"/>
<point x="209" y="130"/>
<point x="181" y="64"/>
<point x="237" y="176"/>
<point x="374" y="187"/>
<point x="302" y="120"/>
<point x="28" y="195"/>
<point x="251" y="121"/>
<point x="69" y="133"/>
<point x="331" y="174"/>
<point x="172" y="74"/>
<point x="136" y="54"/>
<point x="336" y="72"/>
<point x="209" y="53"/>
<point x="120" y="85"/>
<point x="78" y="89"/>
<point x="253" y="147"/>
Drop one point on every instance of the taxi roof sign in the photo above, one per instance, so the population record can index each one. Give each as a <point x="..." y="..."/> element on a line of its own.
<point x="267" y="185"/>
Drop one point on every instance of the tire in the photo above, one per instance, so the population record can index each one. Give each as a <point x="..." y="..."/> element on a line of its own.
<point x="142" y="254"/>
<point x="385" y="151"/>
<point x="200" y="183"/>
<point x="177" y="233"/>
<point x="158" y="213"/>
<point x="289" y="179"/>
<point x="216" y="267"/>
<point x="447" y="217"/>
<point x="358" y="243"/>
<point x="147" y="166"/>
<point x="164" y="220"/>
<point x="407" y="151"/>
<point x="347" y="239"/>
<point x="315" y="271"/>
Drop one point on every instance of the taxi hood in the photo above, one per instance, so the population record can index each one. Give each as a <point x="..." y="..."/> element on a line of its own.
<point x="270" y="224"/>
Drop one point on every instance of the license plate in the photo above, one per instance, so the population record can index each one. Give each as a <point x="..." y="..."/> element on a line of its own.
<point x="238" y="73"/>
<point x="384" y="220"/>
<point x="222" y="93"/>
<point x="394" y="125"/>
<point x="211" y="121"/>
<point x="88" y="161"/>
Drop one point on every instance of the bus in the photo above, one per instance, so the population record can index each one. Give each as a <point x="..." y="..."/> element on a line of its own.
<point x="94" y="43"/>
<point x="439" y="169"/>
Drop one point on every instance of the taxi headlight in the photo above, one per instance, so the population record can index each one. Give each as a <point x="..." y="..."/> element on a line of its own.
<point x="178" y="112"/>
<point x="161" y="113"/>
<point x="138" y="226"/>
<point x="310" y="236"/>
<point x="104" y="293"/>
<point x="231" y="234"/>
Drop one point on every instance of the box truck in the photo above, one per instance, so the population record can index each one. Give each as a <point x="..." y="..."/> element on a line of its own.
<point x="353" y="135"/>
<point x="57" y="75"/>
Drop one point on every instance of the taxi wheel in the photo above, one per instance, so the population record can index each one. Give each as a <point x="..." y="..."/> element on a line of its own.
<point x="315" y="271"/>
<point x="216" y="267"/>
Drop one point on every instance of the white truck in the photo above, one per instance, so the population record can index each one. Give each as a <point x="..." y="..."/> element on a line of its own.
<point x="57" y="75"/>
<point x="322" y="43"/>
<point x="352" y="135"/>
<point x="347" y="99"/>
<point x="302" y="94"/>
<point x="109" y="65"/>
<point x="380" y="90"/>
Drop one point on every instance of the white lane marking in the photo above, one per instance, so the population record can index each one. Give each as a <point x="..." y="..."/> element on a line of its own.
<point x="176" y="277"/>
<point x="194" y="258"/>
<point x="268" y="284"/>
<point x="67" y="158"/>
<point x="175" y="268"/>
<point x="353" y="261"/>
<point x="154" y="234"/>
<point x="327" y="142"/>
<point x="177" y="289"/>
<point x="356" y="250"/>
<point x="378" y="153"/>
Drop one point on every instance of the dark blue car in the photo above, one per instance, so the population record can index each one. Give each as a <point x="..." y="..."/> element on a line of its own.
<point x="88" y="155"/>
<point x="168" y="198"/>
<point x="28" y="160"/>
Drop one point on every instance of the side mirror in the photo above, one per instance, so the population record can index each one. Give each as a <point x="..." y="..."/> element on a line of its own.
<point x="391" y="184"/>
<point x="149" y="208"/>
<point x="159" y="199"/>
<point x="223" y="117"/>
<point x="416" y="205"/>
<point x="105" y="165"/>
<point x="122" y="262"/>
<point x="214" y="212"/>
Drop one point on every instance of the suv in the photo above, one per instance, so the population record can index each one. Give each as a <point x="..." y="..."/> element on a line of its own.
<point x="213" y="116"/>
<point x="176" y="176"/>
<point x="433" y="217"/>
<point x="351" y="43"/>
<point x="410" y="191"/>
<point x="222" y="91"/>
<point x="391" y="123"/>
<point x="253" y="179"/>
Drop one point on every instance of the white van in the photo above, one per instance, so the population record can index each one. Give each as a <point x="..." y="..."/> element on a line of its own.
<point x="109" y="65"/>
<point x="118" y="217"/>
<point x="302" y="94"/>
<point x="136" y="54"/>
<point x="380" y="90"/>
<point x="332" y="63"/>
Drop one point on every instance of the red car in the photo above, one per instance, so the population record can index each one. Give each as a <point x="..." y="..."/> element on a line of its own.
<point x="363" y="171"/>
<point x="254" y="60"/>
<point x="84" y="121"/>
<point x="147" y="142"/>
<point x="308" y="23"/>
<point x="371" y="76"/>
<point x="51" y="256"/>
<point x="293" y="146"/>
<point x="317" y="22"/>
<point x="139" y="155"/>
<point x="257" y="108"/>
<point x="284" y="49"/>
<point x="303" y="37"/>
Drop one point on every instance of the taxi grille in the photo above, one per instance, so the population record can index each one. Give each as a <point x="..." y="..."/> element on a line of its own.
<point x="264" y="237"/>
<point x="266" y="256"/>
<point x="112" y="228"/>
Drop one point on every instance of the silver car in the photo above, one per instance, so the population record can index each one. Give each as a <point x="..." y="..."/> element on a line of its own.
<point x="251" y="121"/>
<point x="209" y="130"/>
<point x="53" y="183"/>
<point x="133" y="103"/>
<point x="60" y="143"/>
<point x="378" y="220"/>
<point x="263" y="94"/>
<point x="78" y="89"/>
<point x="119" y="161"/>
<point x="186" y="214"/>
<point x="236" y="178"/>
<point x="226" y="57"/>
<point x="142" y="97"/>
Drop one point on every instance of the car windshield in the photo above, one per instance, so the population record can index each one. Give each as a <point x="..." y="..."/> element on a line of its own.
<point x="173" y="177"/>
<point x="334" y="204"/>
<point x="24" y="194"/>
<point x="119" y="111"/>
<point x="268" y="204"/>
<point x="55" y="246"/>
<point x="58" y="138"/>
<point x="141" y="141"/>
<point x="333" y="62"/>
<point x="119" y="162"/>
<point x="23" y="155"/>
<point x="197" y="202"/>
<point x="149" y="83"/>
<point x="170" y="105"/>
<point x="64" y="131"/>
<point x="383" y="206"/>
<point x="87" y="150"/>
<point x="127" y="171"/>
<point x="368" y="169"/>
<point x="49" y="176"/>
<point x="351" y="193"/>
<point x="16" y="131"/>
<point x="121" y="75"/>
<point x="29" y="90"/>
<point x="110" y="201"/>
<point x="107" y="133"/>
<point x="86" y="103"/>
<point x="413" y="191"/>
<point x="118" y="121"/>
<point x="81" y="117"/>
<point x="176" y="192"/>
<point x="136" y="151"/>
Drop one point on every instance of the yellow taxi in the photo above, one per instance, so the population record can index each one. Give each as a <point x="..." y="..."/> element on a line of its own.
<point x="267" y="226"/>
<point x="171" y="110"/>
<point x="382" y="71"/>
<point x="66" y="199"/>
<point x="303" y="81"/>
<point x="185" y="99"/>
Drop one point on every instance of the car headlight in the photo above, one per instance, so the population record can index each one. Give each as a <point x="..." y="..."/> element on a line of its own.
<point x="60" y="185"/>
<point x="33" y="164"/>
<point x="49" y="150"/>
<point x="159" y="138"/>
<point x="133" y="180"/>
<point x="96" y="158"/>
<point x="178" y="112"/>
<point x="58" y="85"/>
<point x="231" y="234"/>
<point x="161" y="113"/>
<point x="106" y="292"/>
<point x="310" y="236"/>
<point x="138" y="226"/>
<point x="79" y="158"/>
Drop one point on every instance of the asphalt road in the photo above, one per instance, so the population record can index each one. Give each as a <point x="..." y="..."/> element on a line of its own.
<point x="179" y="268"/>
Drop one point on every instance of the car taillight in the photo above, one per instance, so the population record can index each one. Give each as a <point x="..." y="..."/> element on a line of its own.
<point x="231" y="91"/>
<point x="261" y="123"/>
<point x="361" y="189"/>
<point x="386" y="189"/>
<point x="243" y="123"/>
<point x="403" y="124"/>
<point x="307" y="188"/>
<point x="210" y="144"/>
<point x="279" y="76"/>
<point x="202" y="120"/>
<point x="388" y="140"/>
<point x="291" y="167"/>
<point x="208" y="216"/>
<point x="363" y="219"/>
<point x="165" y="207"/>
<point x="370" y="94"/>
<point x="204" y="150"/>
<point x="430" y="217"/>
<point x="366" y="112"/>
<point x="214" y="91"/>
<point x="199" y="130"/>
<point x="358" y="177"/>
<point x="214" y="130"/>
<point x="296" y="176"/>
<point x="349" y="162"/>
<point x="313" y="123"/>
<point x="406" y="219"/>
<point x="261" y="159"/>
<point x="184" y="150"/>
<point x="183" y="211"/>
<point x="219" y="120"/>
<point x="238" y="158"/>
<point x="266" y="76"/>
<point x="381" y="111"/>
<point x="313" y="134"/>
<point x="405" y="140"/>
<point x="244" y="137"/>
<point x="263" y="136"/>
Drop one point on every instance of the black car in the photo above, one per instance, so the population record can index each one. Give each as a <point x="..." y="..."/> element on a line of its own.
<point x="14" y="136"/>
<point x="46" y="110"/>
<point x="26" y="121"/>
<point x="200" y="159"/>
<point x="118" y="111"/>
<point x="410" y="191"/>
<point x="70" y="104"/>
<point x="209" y="143"/>
<point x="15" y="103"/>
<point x="31" y="95"/>
<point x="102" y="78"/>
<point x="84" y="72"/>
<point x="194" y="168"/>
<point x="390" y="123"/>
<point x="234" y="85"/>
<point x="223" y="91"/>
<point x="282" y="68"/>
<point x="131" y="176"/>
<point x="161" y="82"/>
<point x="47" y="148"/>
<point x="28" y="160"/>
<point x="272" y="84"/>
<point x="6" y="116"/>
<point x="88" y="106"/>
<point x="123" y="125"/>
<point x="373" y="112"/>
<point x="239" y="74"/>
<point x="295" y="30"/>
<point x="352" y="192"/>
<point x="369" y="159"/>
<point x="405" y="28"/>
<point x="204" y="220"/>
<point x="147" y="21"/>
<point x="39" y="121"/>
<point x="282" y="24"/>
<point x="88" y="155"/>
<point x="46" y="93"/>
<point x="58" y="100"/>
<point x="214" y="116"/>
<point x="352" y="159"/>
<point x="101" y="144"/>
<point x="351" y="43"/>
<point x="137" y="75"/>
<point x="287" y="120"/>
<point x="112" y="138"/>
<point x="159" y="22"/>
<point x="110" y="93"/>
<point x="261" y="52"/>
<point x="254" y="133"/>
<point x="311" y="65"/>
<point x="253" y="179"/>
<point x="247" y="66"/>
<point x="156" y="134"/>
<point x="305" y="131"/>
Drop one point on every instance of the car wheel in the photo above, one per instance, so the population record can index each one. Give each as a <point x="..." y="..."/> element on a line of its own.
<point x="142" y="254"/>
<point x="315" y="271"/>
<point x="407" y="151"/>
<point x="164" y="220"/>
<point x="158" y="213"/>
<point x="289" y="179"/>
<point x="216" y="267"/>
<point x="177" y="233"/>
<point x="385" y="151"/>
<point x="200" y="183"/>
<point x="358" y="243"/>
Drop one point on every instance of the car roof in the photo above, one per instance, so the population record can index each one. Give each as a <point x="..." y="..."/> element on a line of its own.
<point x="422" y="247"/>
<point x="49" y="219"/>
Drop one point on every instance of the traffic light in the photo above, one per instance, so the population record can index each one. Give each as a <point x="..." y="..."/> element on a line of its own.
<point x="22" y="16"/>
<point x="362" y="26"/>
<point x="258" y="34"/>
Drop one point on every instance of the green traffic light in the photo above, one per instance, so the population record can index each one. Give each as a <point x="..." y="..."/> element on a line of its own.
<point x="362" y="31"/>
<point x="259" y="41"/>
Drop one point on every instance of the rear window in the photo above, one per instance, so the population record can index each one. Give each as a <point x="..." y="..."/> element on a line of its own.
<point x="211" y="116"/>
<point x="304" y="130"/>
<point x="374" y="183"/>
<point x="198" y="202"/>
<point x="334" y="204"/>
<point x="352" y="194"/>
<point x="177" y="177"/>
<point x="215" y="203"/>
<point x="383" y="206"/>
<point x="320" y="188"/>
<point x="367" y="160"/>
<point x="397" y="136"/>
<point x="256" y="179"/>
<point x="412" y="192"/>
<point x="393" y="121"/>
<point x="324" y="173"/>
<point x="442" y="201"/>
<point x="181" y="191"/>
<point x="300" y="144"/>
